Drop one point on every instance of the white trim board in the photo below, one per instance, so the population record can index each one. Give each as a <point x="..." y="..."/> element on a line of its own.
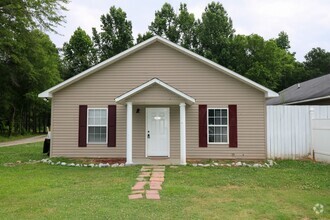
<point x="307" y="100"/>
<point x="48" y="93"/>
<point x="151" y="82"/>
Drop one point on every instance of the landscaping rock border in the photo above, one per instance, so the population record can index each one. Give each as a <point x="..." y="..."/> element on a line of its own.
<point x="268" y="164"/>
<point x="99" y="165"/>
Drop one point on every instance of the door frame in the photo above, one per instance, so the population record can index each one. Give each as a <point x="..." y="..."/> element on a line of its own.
<point x="146" y="131"/>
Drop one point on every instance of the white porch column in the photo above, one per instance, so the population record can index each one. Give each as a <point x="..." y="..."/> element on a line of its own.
<point x="129" y="135"/>
<point x="183" y="133"/>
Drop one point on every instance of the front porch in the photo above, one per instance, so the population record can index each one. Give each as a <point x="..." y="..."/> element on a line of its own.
<point x="156" y="97"/>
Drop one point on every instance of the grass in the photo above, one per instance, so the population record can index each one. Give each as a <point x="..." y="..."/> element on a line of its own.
<point x="41" y="191"/>
<point x="16" y="137"/>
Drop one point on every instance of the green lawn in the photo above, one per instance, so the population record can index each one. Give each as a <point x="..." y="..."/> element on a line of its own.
<point x="16" y="137"/>
<point x="41" y="191"/>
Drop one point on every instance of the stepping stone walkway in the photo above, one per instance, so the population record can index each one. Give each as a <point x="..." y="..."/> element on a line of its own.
<point x="149" y="182"/>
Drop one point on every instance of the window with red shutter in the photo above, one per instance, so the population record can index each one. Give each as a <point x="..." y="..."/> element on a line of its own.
<point x="233" y="126"/>
<point x="82" y="126"/>
<point x="112" y="125"/>
<point x="202" y="111"/>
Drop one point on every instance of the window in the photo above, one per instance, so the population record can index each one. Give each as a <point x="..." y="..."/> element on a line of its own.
<point x="97" y="122"/>
<point x="218" y="125"/>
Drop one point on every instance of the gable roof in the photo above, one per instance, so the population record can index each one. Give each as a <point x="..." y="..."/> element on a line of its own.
<point x="151" y="82"/>
<point x="311" y="90"/>
<point x="48" y="93"/>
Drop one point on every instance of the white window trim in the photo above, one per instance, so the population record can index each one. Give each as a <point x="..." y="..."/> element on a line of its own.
<point x="218" y="125"/>
<point x="106" y="130"/>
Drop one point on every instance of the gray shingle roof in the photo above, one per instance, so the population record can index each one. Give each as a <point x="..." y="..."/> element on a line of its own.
<point x="310" y="89"/>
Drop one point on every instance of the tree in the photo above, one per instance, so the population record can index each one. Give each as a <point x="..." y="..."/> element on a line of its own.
<point x="187" y="28"/>
<point x="29" y="13"/>
<point x="79" y="53"/>
<point x="143" y="37"/>
<point x="35" y="71"/>
<point x="317" y="63"/>
<point x="282" y="41"/>
<point x="178" y="28"/>
<point x="18" y="17"/>
<point x="18" y="64"/>
<point x="115" y="36"/>
<point x="261" y="61"/>
<point x="165" y="23"/>
<point x="215" y="31"/>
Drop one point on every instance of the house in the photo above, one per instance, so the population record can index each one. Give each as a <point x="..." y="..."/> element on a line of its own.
<point x="312" y="92"/>
<point x="158" y="103"/>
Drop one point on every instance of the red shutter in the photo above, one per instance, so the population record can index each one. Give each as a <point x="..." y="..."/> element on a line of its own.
<point x="202" y="125"/>
<point x="232" y="125"/>
<point x="112" y="126"/>
<point x="82" y="126"/>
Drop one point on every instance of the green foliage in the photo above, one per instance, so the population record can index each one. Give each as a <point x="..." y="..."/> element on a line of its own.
<point x="317" y="62"/>
<point x="78" y="54"/>
<point x="215" y="30"/>
<point x="115" y="36"/>
<point x="260" y="60"/>
<point x="268" y="62"/>
<point x="179" y="28"/>
<point x="187" y="26"/>
<point x="282" y="41"/>
<point x="28" y="59"/>
<point x="22" y="15"/>
<point x="143" y="37"/>
<point x="165" y="23"/>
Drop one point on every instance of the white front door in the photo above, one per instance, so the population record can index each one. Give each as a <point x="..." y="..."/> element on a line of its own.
<point x="157" y="131"/>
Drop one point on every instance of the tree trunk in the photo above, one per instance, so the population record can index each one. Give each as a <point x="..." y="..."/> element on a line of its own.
<point x="28" y="120"/>
<point x="21" y="121"/>
<point x="34" y="121"/>
<point x="11" y="121"/>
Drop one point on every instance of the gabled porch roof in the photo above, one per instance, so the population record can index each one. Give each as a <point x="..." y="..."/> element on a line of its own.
<point x="122" y="98"/>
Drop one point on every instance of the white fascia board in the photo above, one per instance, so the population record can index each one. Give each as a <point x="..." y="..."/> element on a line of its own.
<point x="48" y="93"/>
<point x="151" y="82"/>
<point x="308" y="100"/>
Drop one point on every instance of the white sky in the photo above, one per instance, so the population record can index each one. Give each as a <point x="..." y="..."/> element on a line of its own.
<point x="307" y="22"/>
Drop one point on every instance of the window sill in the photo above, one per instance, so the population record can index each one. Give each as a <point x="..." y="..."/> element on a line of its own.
<point x="218" y="143"/>
<point x="97" y="143"/>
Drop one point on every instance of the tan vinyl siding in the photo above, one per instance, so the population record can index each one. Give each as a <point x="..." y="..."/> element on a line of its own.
<point x="205" y="84"/>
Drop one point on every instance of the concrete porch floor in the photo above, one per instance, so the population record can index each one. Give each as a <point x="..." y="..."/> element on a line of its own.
<point x="156" y="161"/>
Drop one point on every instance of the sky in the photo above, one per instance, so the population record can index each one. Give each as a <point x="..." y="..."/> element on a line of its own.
<point x="307" y="22"/>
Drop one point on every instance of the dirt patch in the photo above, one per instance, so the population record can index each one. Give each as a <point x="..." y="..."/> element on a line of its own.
<point x="103" y="160"/>
<point x="230" y="187"/>
<point x="20" y="163"/>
